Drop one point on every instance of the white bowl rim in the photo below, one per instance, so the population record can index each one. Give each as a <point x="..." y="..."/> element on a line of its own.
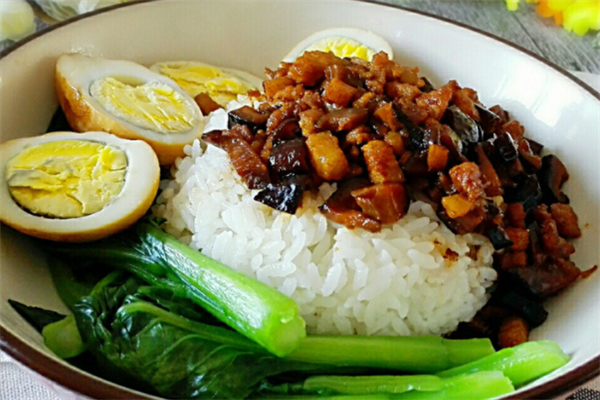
<point x="87" y="385"/>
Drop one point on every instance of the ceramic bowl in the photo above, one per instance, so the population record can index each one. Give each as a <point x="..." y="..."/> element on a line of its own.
<point x="555" y="108"/>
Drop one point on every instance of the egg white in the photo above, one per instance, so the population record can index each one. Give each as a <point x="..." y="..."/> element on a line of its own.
<point x="75" y="75"/>
<point x="137" y="195"/>
<point x="364" y="37"/>
<point x="243" y="76"/>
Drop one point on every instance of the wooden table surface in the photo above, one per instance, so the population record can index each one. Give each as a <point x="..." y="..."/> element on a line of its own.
<point x="525" y="28"/>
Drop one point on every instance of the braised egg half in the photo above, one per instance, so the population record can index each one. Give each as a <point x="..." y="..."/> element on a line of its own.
<point x="342" y="42"/>
<point x="221" y="84"/>
<point x="76" y="187"/>
<point x="128" y="100"/>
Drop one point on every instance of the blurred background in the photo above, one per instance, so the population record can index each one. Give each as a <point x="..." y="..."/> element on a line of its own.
<point x="564" y="32"/>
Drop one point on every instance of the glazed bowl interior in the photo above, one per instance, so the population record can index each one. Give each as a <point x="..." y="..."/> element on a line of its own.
<point x="554" y="109"/>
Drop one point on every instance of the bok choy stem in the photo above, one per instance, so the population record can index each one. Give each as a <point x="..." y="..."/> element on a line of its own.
<point x="521" y="364"/>
<point x="254" y="309"/>
<point x="476" y="386"/>
<point x="343" y="384"/>
<point x="63" y="338"/>
<point x="416" y="354"/>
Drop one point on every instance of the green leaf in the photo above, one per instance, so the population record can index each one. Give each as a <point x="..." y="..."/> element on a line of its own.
<point x="254" y="309"/>
<point x="74" y="282"/>
<point x="36" y="316"/>
<point x="140" y="343"/>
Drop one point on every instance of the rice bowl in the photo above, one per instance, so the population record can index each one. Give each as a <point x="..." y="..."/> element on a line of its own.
<point x="28" y="282"/>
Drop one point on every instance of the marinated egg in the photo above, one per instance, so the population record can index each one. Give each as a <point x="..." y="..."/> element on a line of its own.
<point x="343" y="42"/>
<point x="67" y="186"/>
<point x="221" y="84"/>
<point x="128" y="100"/>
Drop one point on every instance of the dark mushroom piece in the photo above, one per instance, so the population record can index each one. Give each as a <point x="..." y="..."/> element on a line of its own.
<point x="467" y="129"/>
<point x="501" y="113"/>
<point x="493" y="186"/>
<point x="516" y="170"/>
<point x="343" y="73"/>
<point x="450" y="140"/>
<point x="499" y="238"/>
<point x="527" y="192"/>
<point x="284" y="195"/>
<point x="549" y="279"/>
<point x="532" y="311"/>
<point x="552" y="176"/>
<point x="428" y="87"/>
<point x="248" y="116"/>
<point x="489" y="121"/>
<point x="506" y="147"/>
<point x="536" y="253"/>
<point x="416" y="135"/>
<point x="414" y="165"/>
<point x="288" y="129"/>
<point x="289" y="157"/>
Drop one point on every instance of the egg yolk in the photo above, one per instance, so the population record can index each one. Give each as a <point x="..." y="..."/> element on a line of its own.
<point x="195" y="79"/>
<point x="343" y="47"/>
<point x="66" y="179"/>
<point x="153" y="105"/>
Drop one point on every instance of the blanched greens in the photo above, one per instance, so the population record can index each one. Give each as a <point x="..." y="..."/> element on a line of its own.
<point x="521" y="364"/>
<point x="376" y="384"/>
<point x="35" y="316"/>
<point x="74" y="283"/>
<point x="476" y="386"/>
<point x="145" y="337"/>
<point x="414" y="354"/>
<point x="157" y="316"/>
<point x="254" y="309"/>
<point x="63" y="338"/>
<point x="140" y="342"/>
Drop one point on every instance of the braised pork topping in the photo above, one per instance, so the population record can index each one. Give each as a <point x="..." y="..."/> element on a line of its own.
<point x="386" y="137"/>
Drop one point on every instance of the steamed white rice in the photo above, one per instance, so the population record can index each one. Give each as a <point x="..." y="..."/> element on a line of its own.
<point x="415" y="277"/>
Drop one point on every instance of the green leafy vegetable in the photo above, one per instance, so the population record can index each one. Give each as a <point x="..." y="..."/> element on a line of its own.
<point x="73" y="283"/>
<point x="141" y="338"/>
<point x="62" y="337"/>
<point x="330" y="385"/>
<point x="143" y="345"/>
<point x="476" y="386"/>
<point x="40" y="318"/>
<point x="415" y="354"/>
<point x="252" y="308"/>
<point x="35" y="316"/>
<point x="521" y="364"/>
